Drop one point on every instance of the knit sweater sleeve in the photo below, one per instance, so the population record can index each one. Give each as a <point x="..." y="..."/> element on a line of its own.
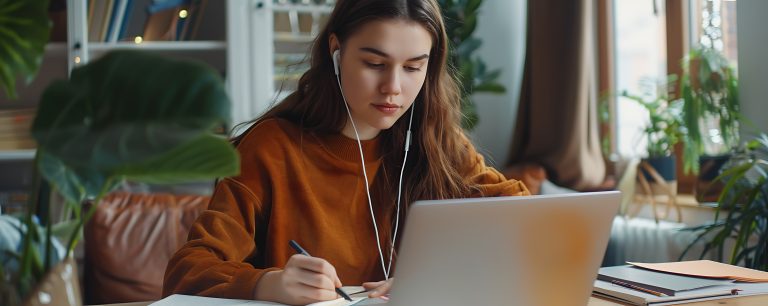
<point x="491" y="182"/>
<point x="222" y="242"/>
<point x="213" y="261"/>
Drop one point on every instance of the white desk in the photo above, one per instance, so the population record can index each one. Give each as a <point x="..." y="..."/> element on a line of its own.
<point x="761" y="300"/>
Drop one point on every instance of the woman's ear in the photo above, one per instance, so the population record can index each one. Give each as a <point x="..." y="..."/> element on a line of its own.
<point x="333" y="44"/>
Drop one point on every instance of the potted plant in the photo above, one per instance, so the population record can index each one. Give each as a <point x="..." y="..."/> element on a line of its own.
<point x="461" y="18"/>
<point x="743" y="232"/>
<point x="127" y="116"/>
<point x="662" y="131"/>
<point x="655" y="173"/>
<point x="709" y="87"/>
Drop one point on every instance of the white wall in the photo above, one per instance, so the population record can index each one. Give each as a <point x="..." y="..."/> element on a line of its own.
<point x="501" y="27"/>
<point x="753" y="63"/>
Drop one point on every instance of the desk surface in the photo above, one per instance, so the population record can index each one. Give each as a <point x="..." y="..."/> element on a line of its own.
<point x="760" y="300"/>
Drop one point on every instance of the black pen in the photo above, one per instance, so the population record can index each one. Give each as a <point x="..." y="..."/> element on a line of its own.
<point x="295" y="245"/>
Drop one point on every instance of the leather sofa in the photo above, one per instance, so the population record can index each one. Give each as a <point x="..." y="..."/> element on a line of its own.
<point x="130" y="239"/>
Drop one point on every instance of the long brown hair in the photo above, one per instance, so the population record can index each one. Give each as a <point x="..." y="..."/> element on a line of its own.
<point x="437" y="153"/>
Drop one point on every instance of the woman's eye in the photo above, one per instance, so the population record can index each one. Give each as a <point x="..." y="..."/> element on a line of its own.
<point x="374" y="65"/>
<point x="412" y="69"/>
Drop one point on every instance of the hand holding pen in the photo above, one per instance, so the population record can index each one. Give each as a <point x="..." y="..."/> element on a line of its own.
<point x="337" y="282"/>
<point x="304" y="280"/>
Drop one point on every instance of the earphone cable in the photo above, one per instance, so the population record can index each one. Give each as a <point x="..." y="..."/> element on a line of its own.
<point x="399" y="191"/>
<point x="365" y="176"/>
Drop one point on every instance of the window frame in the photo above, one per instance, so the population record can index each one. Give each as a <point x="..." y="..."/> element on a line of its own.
<point x="678" y="16"/>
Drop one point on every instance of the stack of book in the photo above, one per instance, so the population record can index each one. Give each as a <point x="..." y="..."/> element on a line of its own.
<point x="15" y="127"/>
<point x="124" y="20"/>
<point x="678" y="282"/>
<point x="13" y="202"/>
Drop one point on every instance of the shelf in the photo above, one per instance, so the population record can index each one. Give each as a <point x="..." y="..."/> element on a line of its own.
<point x="175" y="46"/>
<point x="301" y="8"/>
<point x="214" y="53"/>
<point x="26" y="154"/>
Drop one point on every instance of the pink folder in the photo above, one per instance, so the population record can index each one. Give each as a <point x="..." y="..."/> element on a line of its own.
<point x="707" y="268"/>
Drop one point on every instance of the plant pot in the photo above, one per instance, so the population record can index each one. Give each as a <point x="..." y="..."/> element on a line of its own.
<point x="664" y="165"/>
<point x="710" y="166"/>
<point x="707" y="189"/>
<point x="657" y="178"/>
<point x="60" y="286"/>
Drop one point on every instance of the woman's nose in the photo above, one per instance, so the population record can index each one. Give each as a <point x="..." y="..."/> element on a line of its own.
<point x="391" y="84"/>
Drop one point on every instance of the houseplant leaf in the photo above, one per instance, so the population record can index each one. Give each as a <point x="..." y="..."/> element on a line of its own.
<point x="24" y="31"/>
<point x="199" y="159"/>
<point x="124" y="112"/>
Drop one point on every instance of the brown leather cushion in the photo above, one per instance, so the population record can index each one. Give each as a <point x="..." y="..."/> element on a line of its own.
<point x="130" y="239"/>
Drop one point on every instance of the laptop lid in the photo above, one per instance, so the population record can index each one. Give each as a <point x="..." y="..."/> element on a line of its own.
<point x="536" y="250"/>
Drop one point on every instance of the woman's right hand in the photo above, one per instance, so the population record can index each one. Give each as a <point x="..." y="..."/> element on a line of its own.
<point x="304" y="280"/>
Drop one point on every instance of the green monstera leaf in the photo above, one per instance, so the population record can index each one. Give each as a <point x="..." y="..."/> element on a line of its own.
<point x="24" y="31"/>
<point x="132" y="115"/>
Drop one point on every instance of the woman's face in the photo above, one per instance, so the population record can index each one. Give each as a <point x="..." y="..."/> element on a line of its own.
<point x="382" y="69"/>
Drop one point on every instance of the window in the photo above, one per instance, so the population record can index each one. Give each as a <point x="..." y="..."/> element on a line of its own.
<point x="640" y="48"/>
<point x="713" y="24"/>
<point x="296" y="24"/>
<point x="640" y="53"/>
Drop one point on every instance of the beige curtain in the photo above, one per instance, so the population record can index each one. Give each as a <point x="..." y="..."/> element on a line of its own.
<point x="556" y="123"/>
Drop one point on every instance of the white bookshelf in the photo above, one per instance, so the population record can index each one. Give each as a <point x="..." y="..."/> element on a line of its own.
<point x="228" y="50"/>
<point x="245" y="53"/>
<point x="10" y="155"/>
<point x="228" y="53"/>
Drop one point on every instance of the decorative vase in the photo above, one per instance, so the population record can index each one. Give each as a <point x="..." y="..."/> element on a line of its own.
<point x="59" y="287"/>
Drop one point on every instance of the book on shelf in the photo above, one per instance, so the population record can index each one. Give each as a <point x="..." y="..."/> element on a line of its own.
<point x="135" y="19"/>
<point x="13" y="202"/>
<point x="15" y="128"/>
<point x="192" y="24"/>
<point x="123" y="20"/>
<point x="116" y="23"/>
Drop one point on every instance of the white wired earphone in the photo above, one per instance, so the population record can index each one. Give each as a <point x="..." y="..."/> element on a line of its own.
<point x="385" y="268"/>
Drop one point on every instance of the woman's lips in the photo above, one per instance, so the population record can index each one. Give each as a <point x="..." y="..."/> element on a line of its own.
<point x="388" y="109"/>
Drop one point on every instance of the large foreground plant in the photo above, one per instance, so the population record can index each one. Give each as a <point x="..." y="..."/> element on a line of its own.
<point x="743" y="232"/>
<point x="127" y="116"/>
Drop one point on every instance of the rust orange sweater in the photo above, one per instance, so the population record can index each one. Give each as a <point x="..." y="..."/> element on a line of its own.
<point x="293" y="185"/>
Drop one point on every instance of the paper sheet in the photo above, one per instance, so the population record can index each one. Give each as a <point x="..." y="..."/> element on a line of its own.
<point x="358" y="298"/>
<point x="707" y="268"/>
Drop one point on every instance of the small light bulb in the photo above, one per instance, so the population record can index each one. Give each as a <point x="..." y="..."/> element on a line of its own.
<point x="77" y="60"/>
<point x="138" y="39"/>
<point x="183" y="14"/>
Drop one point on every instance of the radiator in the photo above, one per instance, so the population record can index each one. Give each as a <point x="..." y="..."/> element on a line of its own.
<point x="643" y="240"/>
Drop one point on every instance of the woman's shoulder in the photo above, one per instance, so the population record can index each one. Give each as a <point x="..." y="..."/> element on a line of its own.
<point x="269" y="133"/>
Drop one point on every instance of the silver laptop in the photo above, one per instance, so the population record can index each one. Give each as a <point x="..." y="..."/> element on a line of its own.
<point x="539" y="250"/>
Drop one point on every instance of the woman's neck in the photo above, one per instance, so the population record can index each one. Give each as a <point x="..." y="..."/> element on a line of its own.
<point x="366" y="132"/>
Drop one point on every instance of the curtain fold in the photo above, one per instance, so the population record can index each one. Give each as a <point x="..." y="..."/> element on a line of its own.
<point x="557" y="123"/>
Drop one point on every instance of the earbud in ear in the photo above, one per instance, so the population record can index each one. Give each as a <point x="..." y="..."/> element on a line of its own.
<point x="336" y="58"/>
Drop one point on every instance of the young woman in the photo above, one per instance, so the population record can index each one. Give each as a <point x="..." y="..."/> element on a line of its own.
<point x="387" y="102"/>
